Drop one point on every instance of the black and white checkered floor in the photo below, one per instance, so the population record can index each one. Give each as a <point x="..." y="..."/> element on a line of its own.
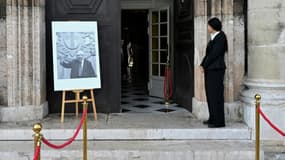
<point x="135" y="99"/>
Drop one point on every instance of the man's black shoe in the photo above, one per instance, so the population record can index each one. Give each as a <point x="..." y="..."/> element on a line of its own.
<point x="216" y="126"/>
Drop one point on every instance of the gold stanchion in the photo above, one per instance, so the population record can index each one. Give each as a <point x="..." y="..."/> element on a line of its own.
<point x="37" y="136"/>
<point x="166" y="102"/>
<point x="166" y="105"/>
<point x="257" y="127"/>
<point x="85" y="98"/>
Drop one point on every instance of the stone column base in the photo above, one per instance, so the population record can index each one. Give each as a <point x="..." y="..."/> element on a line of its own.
<point x="272" y="104"/>
<point x="233" y="111"/>
<point x="23" y="113"/>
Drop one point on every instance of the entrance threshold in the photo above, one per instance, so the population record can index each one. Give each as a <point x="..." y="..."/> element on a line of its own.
<point x="135" y="99"/>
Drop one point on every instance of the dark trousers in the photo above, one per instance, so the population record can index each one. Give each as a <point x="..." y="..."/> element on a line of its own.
<point x="215" y="96"/>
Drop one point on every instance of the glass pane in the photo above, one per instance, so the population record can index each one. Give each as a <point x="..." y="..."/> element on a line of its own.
<point x="154" y="57"/>
<point x="154" y="43"/>
<point x="154" y="17"/>
<point x="163" y="16"/>
<point x="155" y="30"/>
<point x="163" y="29"/>
<point x="162" y="70"/>
<point x="155" y="69"/>
<point x="163" y="57"/>
<point x="163" y="43"/>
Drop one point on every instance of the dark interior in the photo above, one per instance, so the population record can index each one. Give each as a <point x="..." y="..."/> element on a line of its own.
<point x="134" y="29"/>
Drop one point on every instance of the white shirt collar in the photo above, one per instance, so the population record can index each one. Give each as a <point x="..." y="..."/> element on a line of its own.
<point x="213" y="35"/>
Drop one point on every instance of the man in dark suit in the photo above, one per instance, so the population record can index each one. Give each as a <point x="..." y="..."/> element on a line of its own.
<point x="80" y="67"/>
<point x="213" y="65"/>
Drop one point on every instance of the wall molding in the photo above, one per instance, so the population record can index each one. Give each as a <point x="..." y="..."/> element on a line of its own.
<point x="136" y="4"/>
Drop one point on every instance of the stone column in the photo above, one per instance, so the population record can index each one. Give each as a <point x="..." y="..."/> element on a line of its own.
<point x="266" y="64"/>
<point x="231" y="14"/>
<point x="23" y="83"/>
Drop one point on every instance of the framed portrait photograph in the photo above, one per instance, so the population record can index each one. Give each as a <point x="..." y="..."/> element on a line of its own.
<point x="75" y="55"/>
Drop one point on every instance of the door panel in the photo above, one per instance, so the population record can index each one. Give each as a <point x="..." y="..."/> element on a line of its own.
<point x="184" y="53"/>
<point x="159" y="53"/>
<point x="107" y="13"/>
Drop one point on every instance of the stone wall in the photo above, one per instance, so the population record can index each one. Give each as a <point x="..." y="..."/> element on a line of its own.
<point x="25" y="68"/>
<point x="266" y="67"/>
<point x="3" y="64"/>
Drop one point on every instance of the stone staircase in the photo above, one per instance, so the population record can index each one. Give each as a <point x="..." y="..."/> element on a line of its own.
<point x="136" y="150"/>
<point x="136" y="136"/>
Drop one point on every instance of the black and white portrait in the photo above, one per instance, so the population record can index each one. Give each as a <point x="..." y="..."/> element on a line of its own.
<point x="75" y="55"/>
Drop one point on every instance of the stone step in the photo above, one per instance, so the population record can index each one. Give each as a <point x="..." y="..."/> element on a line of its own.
<point x="136" y="150"/>
<point x="135" y="134"/>
<point x="179" y="126"/>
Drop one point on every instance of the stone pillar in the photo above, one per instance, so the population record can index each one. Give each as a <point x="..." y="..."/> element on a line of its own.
<point x="231" y="14"/>
<point x="266" y="67"/>
<point x="23" y="82"/>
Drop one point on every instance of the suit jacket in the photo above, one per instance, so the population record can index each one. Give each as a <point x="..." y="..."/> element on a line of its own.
<point x="215" y="53"/>
<point x="75" y="65"/>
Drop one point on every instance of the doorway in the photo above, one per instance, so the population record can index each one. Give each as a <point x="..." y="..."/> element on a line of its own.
<point x="134" y="58"/>
<point x="136" y="67"/>
<point x="134" y="37"/>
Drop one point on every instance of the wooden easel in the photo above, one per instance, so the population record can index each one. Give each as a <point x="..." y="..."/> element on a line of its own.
<point x="76" y="101"/>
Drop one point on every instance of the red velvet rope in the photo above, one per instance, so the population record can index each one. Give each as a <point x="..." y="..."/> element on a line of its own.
<point x="71" y="139"/>
<point x="167" y="88"/>
<point x="37" y="152"/>
<point x="270" y="123"/>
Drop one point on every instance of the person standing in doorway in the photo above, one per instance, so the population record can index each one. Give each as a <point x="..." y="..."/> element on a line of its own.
<point x="130" y="61"/>
<point x="125" y="56"/>
<point x="213" y="66"/>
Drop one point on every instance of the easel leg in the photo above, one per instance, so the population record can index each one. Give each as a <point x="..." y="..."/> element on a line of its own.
<point x="76" y="104"/>
<point x="62" y="106"/>
<point x="93" y="104"/>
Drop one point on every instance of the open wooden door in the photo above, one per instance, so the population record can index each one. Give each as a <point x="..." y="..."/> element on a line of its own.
<point x="184" y="53"/>
<point x="107" y="13"/>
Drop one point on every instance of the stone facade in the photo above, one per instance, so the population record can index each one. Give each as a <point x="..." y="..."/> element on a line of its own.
<point x="266" y="69"/>
<point x="3" y="65"/>
<point x="23" y="54"/>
